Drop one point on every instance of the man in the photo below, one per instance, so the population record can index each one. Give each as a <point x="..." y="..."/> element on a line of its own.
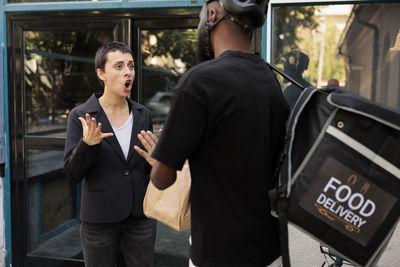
<point x="113" y="177"/>
<point x="228" y="118"/>
<point x="333" y="83"/>
<point x="296" y="63"/>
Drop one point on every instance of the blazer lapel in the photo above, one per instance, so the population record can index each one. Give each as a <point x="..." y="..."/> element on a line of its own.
<point x="107" y="128"/>
<point x="138" y="123"/>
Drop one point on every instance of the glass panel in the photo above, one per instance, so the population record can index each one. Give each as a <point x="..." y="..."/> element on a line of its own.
<point x="53" y="207"/>
<point x="167" y="54"/>
<point x="59" y="75"/>
<point x="356" y="47"/>
<point x="2" y="121"/>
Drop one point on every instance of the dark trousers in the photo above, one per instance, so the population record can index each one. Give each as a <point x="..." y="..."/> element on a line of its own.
<point x="135" y="236"/>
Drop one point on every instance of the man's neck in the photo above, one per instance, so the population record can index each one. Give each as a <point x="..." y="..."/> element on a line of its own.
<point x="221" y="50"/>
<point x="223" y="40"/>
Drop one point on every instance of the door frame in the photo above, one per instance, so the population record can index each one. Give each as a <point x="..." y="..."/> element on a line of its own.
<point x="17" y="23"/>
<point x="129" y="32"/>
<point x="19" y="141"/>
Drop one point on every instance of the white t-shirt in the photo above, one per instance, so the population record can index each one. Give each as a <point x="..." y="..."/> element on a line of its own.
<point x="123" y="135"/>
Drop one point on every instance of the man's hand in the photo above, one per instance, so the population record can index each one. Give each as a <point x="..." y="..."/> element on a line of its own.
<point x="92" y="134"/>
<point x="149" y="141"/>
<point x="161" y="175"/>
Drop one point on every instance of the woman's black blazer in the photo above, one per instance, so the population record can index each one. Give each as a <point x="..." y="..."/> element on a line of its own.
<point x="112" y="187"/>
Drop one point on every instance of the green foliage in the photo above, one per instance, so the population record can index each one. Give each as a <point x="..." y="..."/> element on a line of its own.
<point x="334" y="66"/>
<point x="286" y="24"/>
<point x="299" y="28"/>
<point x="287" y="21"/>
<point x="54" y="82"/>
<point x="180" y="44"/>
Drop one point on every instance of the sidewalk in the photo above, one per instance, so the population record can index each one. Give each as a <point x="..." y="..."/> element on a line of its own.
<point x="172" y="247"/>
<point x="304" y="251"/>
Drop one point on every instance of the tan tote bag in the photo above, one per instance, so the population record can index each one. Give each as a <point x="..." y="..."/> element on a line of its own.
<point x="170" y="206"/>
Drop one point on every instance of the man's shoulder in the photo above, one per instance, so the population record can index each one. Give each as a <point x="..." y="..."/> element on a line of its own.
<point x="196" y="77"/>
<point x="209" y="70"/>
<point x="201" y="68"/>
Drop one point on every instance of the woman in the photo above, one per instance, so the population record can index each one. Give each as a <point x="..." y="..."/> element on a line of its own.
<point x="101" y="134"/>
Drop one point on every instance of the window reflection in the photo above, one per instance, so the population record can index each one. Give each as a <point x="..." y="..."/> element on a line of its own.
<point x="30" y="1"/>
<point x="59" y="74"/>
<point x="52" y="204"/>
<point x="167" y="54"/>
<point x="369" y="45"/>
<point x="354" y="46"/>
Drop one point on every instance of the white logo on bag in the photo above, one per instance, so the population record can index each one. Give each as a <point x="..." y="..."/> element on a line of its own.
<point x="359" y="207"/>
<point x="348" y="202"/>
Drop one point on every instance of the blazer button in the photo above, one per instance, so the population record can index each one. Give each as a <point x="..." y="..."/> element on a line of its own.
<point x="126" y="172"/>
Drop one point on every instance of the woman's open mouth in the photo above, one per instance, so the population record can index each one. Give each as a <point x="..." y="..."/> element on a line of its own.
<point x="128" y="84"/>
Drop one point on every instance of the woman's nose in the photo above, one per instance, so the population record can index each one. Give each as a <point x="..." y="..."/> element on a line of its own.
<point x="128" y="71"/>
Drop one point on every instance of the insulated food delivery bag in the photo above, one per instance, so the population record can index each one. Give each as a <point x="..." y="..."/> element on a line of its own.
<point x="339" y="175"/>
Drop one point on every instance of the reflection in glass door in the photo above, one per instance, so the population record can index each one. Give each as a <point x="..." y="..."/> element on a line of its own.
<point x="59" y="75"/>
<point x="52" y="71"/>
<point x="353" y="46"/>
<point x="166" y="55"/>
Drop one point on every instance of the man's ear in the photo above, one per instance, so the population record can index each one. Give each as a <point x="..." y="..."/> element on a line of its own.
<point x="100" y="74"/>
<point x="212" y="14"/>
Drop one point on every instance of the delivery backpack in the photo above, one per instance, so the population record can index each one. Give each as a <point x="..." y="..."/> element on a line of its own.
<point x="339" y="174"/>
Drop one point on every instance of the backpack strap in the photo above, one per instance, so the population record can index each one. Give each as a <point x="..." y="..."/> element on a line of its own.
<point x="287" y="77"/>
<point x="299" y="106"/>
<point x="300" y="103"/>
<point x="280" y="196"/>
<point x="285" y="171"/>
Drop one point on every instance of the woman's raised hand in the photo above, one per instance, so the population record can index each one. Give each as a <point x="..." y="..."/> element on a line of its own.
<point x="92" y="134"/>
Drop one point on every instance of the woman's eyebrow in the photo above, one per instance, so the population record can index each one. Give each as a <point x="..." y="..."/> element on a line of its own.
<point x="121" y="61"/>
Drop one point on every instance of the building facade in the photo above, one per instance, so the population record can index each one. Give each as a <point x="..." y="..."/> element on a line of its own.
<point x="47" y="53"/>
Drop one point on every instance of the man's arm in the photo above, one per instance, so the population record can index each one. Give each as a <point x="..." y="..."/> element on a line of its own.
<point x="182" y="134"/>
<point x="162" y="175"/>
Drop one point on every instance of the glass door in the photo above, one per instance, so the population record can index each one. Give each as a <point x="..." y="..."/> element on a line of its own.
<point x="167" y="49"/>
<point x="51" y="70"/>
<point x="52" y="66"/>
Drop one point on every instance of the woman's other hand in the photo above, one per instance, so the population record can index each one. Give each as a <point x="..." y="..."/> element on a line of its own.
<point x="92" y="134"/>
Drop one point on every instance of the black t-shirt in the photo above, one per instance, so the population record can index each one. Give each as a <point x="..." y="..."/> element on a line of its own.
<point x="228" y="118"/>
